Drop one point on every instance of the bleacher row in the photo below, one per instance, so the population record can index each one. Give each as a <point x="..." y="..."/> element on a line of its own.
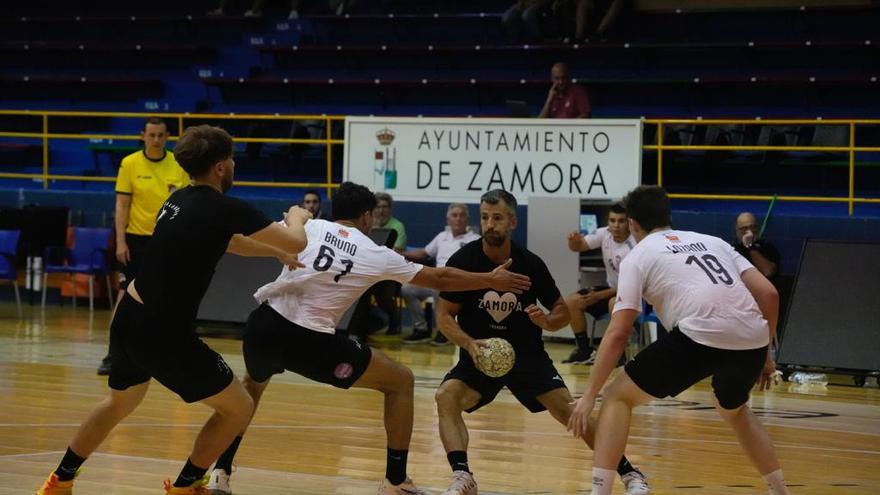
<point x="790" y="62"/>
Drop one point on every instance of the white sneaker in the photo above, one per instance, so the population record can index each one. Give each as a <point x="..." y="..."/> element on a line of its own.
<point x="253" y="13"/>
<point x="293" y="15"/>
<point x="219" y="483"/>
<point x="463" y="483"/>
<point x="635" y="483"/>
<point x="405" y="488"/>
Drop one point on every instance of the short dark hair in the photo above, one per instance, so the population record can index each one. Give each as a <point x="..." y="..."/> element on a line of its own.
<point x="155" y="121"/>
<point x="618" y="208"/>
<point x="495" y="195"/>
<point x="383" y="196"/>
<point x="352" y="200"/>
<point x="311" y="191"/>
<point x="200" y="147"/>
<point x="649" y="206"/>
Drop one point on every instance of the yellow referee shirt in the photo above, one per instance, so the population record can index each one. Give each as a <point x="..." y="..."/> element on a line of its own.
<point x="149" y="183"/>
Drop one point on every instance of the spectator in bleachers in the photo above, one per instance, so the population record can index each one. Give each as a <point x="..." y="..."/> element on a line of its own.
<point x="592" y="18"/>
<point x="385" y="293"/>
<point x="456" y="234"/>
<point x="146" y="178"/>
<point x="525" y="20"/>
<point x="312" y="202"/>
<point x="338" y="6"/>
<point x="565" y="100"/>
<point x="760" y="252"/>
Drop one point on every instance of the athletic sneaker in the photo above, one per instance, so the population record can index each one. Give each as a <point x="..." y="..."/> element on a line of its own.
<point x="635" y="483"/>
<point x="463" y="483"/>
<point x="54" y="486"/>
<point x="197" y="488"/>
<point x="439" y="339"/>
<point x="405" y="488"/>
<point x="580" y="356"/>
<point x="417" y="337"/>
<point x="219" y="483"/>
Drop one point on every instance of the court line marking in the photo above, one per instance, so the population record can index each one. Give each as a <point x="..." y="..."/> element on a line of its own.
<point x="433" y="430"/>
<point x="31" y="454"/>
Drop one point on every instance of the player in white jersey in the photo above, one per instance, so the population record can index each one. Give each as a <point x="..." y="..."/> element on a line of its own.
<point x="616" y="242"/>
<point x="294" y="328"/>
<point x="723" y="313"/>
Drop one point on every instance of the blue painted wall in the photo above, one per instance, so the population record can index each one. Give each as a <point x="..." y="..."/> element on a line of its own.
<point x="787" y="227"/>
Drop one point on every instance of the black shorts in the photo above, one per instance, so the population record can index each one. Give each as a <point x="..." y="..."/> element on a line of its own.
<point x="600" y="308"/>
<point x="670" y="366"/>
<point x="272" y="344"/>
<point x="144" y="347"/>
<point x="137" y="249"/>
<point x="530" y="377"/>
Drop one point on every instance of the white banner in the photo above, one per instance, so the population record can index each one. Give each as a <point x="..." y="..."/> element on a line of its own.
<point x="457" y="160"/>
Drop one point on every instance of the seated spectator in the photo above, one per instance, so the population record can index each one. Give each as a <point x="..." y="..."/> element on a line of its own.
<point x="385" y="293"/>
<point x="616" y="242"/>
<point x="312" y="202"/>
<point x="524" y="21"/>
<point x="760" y="252"/>
<point x="456" y="234"/>
<point x="592" y="18"/>
<point x="565" y="100"/>
<point x="338" y="6"/>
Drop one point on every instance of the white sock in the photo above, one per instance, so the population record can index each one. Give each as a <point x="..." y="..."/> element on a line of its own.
<point x="776" y="483"/>
<point x="603" y="481"/>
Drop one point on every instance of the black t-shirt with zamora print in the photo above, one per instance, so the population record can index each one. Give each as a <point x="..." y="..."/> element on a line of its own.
<point x="193" y="230"/>
<point x="485" y="313"/>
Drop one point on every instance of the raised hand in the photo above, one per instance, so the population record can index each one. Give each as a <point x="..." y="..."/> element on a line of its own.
<point x="503" y="280"/>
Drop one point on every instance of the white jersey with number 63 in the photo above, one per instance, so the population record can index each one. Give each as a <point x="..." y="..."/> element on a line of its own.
<point x="341" y="264"/>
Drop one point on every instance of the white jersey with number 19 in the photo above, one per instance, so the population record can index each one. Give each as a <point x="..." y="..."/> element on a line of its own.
<point x="693" y="281"/>
<point x="341" y="264"/>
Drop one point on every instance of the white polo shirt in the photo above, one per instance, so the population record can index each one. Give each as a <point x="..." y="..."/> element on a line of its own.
<point x="341" y="264"/>
<point x="693" y="281"/>
<point x="613" y="252"/>
<point x="445" y="244"/>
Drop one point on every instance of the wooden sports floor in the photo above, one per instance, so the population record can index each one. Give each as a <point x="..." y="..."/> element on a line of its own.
<point x="308" y="438"/>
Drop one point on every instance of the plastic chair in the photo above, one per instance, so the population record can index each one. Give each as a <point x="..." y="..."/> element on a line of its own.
<point x="8" y="248"/>
<point x="87" y="256"/>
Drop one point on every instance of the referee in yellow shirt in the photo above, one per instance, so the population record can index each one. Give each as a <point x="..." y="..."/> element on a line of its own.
<point x="146" y="179"/>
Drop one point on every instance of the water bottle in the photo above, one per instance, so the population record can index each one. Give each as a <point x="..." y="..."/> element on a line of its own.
<point x="803" y="378"/>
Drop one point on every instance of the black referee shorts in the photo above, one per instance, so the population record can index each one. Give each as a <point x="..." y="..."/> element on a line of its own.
<point x="670" y="366"/>
<point x="272" y="344"/>
<point x="143" y="347"/>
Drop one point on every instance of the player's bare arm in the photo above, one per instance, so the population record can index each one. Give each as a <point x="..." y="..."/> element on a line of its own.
<point x="453" y="279"/>
<point x="557" y="318"/>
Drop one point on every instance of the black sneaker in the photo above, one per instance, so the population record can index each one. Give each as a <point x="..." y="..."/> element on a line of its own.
<point x="439" y="339"/>
<point x="104" y="367"/>
<point x="393" y="330"/>
<point x="417" y="337"/>
<point x="581" y="356"/>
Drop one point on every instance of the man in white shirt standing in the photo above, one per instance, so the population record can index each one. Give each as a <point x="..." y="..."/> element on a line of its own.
<point x="456" y="234"/>
<point x="295" y="327"/>
<point x="616" y="242"/>
<point x="723" y="314"/>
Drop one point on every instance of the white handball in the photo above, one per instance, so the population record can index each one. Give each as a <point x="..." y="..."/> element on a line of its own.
<point x="496" y="358"/>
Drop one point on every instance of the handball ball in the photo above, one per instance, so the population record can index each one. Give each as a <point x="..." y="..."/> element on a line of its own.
<point x="496" y="358"/>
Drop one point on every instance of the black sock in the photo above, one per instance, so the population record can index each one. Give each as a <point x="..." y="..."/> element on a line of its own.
<point x="458" y="460"/>
<point x="189" y="475"/>
<point x="395" y="466"/>
<point x="582" y="341"/>
<point x="69" y="464"/>
<point x="624" y="466"/>
<point x="225" y="460"/>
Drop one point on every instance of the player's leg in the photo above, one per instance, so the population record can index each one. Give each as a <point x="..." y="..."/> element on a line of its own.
<point x="732" y="384"/>
<point x="612" y="429"/>
<point x="463" y="389"/>
<point x="100" y="422"/>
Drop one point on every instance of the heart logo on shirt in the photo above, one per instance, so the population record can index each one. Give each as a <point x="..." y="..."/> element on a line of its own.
<point x="499" y="307"/>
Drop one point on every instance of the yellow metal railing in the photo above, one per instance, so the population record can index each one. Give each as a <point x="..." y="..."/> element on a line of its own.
<point x="181" y="118"/>
<point x="851" y="151"/>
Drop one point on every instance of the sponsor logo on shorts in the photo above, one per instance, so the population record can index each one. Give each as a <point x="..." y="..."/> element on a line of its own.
<point x="221" y="364"/>
<point x="343" y="371"/>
